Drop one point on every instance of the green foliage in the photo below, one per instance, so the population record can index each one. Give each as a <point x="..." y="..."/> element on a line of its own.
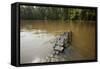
<point x="55" y="13"/>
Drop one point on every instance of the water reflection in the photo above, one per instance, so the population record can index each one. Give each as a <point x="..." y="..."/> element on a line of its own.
<point x="35" y="45"/>
<point x="37" y="41"/>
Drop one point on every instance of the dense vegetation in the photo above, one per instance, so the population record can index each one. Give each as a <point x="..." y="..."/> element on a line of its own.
<point x="55" y="13"/>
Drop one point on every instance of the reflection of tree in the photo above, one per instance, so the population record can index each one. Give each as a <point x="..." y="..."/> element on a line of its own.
<point x="55" y="13"/>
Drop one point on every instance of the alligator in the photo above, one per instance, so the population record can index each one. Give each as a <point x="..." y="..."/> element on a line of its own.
<point x="62" y="42"/>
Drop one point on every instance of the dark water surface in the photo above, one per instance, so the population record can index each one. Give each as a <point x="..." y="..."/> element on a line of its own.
<point x="37" y="39"/>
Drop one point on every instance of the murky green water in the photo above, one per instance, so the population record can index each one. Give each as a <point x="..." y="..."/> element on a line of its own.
<point x="37" y="40"/>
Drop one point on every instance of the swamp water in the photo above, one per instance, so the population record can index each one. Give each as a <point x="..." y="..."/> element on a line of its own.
<point x="37" y="40"/>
